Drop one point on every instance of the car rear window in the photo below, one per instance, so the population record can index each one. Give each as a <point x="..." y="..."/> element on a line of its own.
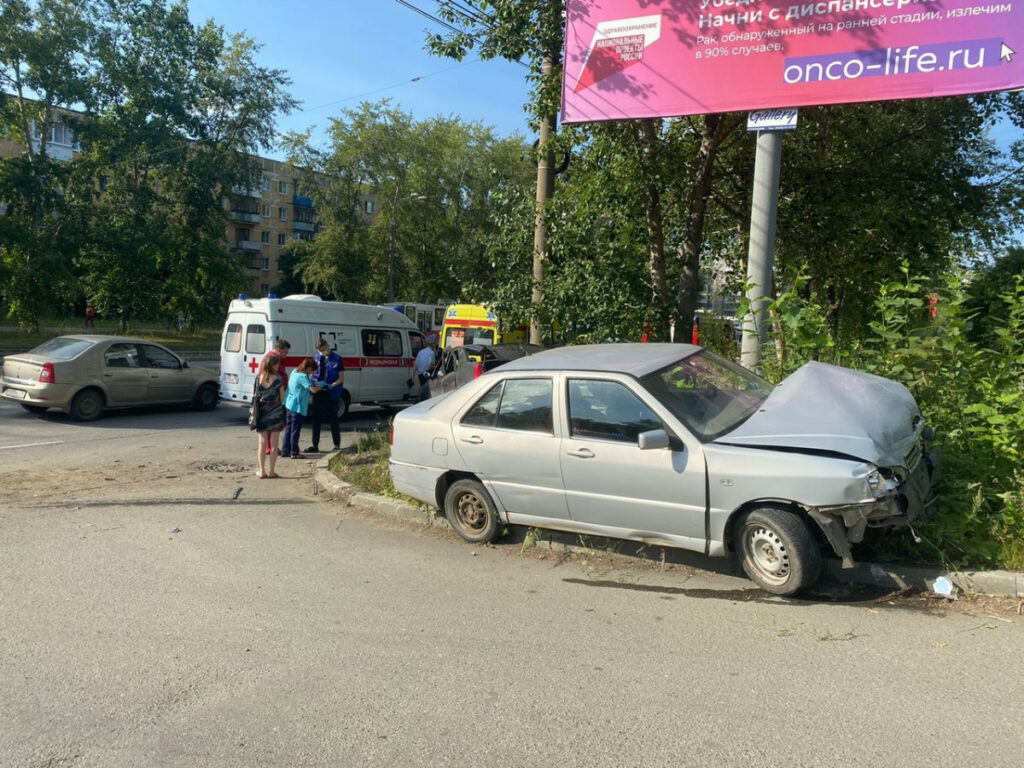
<point x="62" y="348"/>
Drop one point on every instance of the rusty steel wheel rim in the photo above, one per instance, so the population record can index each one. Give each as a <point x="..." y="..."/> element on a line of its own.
<point x="471" y="511"/>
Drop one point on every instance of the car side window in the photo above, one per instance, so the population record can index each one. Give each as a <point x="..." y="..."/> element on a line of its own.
<point x="607" y="410"/>
<point x="158" y="357"/>
<point x="520" y="404"/>
<point x="121" y="356"/>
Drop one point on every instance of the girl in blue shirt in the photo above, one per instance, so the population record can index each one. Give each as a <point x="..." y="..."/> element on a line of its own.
<point x="296" y="403"/>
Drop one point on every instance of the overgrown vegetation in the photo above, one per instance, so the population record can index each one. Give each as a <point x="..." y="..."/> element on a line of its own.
<point x="365" y="465"/>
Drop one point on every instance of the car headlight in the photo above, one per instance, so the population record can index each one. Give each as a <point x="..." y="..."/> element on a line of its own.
<point x="882" y="485"/>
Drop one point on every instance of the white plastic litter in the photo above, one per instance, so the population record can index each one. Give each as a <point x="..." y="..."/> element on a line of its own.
<point x="943" y="586"/>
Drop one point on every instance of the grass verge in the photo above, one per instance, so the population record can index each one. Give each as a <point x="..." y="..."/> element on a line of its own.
<point x="365" y="465"/>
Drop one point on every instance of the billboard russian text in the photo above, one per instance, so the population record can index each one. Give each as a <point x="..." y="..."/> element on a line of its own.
<point x="662" y="58"/>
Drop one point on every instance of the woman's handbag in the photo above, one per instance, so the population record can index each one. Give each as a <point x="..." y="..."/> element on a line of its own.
<point x="254" y="409"/>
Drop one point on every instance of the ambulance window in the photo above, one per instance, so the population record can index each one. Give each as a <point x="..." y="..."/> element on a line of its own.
<point x="233" y="338"/>
<point x="416" y="342"/>
<point x="255" y="339"/>
<point x="382" y="343"/>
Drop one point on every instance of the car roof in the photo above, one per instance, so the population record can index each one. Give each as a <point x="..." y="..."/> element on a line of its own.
<point x="97" y="338"/>
<point x="634" y="359"/>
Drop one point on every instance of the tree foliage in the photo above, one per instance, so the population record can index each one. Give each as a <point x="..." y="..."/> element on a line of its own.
<point x="167" y="115"/>
<point x="436" y="186"/>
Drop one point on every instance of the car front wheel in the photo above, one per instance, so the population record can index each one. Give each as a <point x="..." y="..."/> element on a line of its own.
<point x="470" y="511"/>
<point x="87" y="405"/>
<point x="778" y="551"/>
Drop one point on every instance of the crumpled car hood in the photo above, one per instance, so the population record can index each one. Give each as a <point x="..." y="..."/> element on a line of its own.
<point x="823" y="407"/>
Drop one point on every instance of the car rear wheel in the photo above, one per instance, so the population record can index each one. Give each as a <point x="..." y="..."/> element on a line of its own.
<point x="343" y="403"/>
<point x="36" y="409"/>
<point x="205" y="398"/>
<point x="87" y="405"/>
<point x="778" y="551"/>
<point x="470" y="511"/>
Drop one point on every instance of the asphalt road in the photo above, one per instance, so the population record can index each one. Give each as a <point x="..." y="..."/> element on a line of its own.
<point x="161" y="606"/>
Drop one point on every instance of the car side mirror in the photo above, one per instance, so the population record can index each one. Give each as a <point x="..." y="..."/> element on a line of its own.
<point x="652" y="440"/>
<point x="184" y="363"/>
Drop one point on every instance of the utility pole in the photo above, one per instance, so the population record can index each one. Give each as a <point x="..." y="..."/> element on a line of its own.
<point x="764" y="207"/>
<point x="545" y="190"/>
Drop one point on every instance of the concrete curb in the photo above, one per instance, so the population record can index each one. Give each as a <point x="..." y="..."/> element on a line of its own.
<point x="895" y="577"/>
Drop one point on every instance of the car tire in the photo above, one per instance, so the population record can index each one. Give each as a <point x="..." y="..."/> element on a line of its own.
<point x="778" y="551"/>
<point x="471" y="512"/>
<point x="36" y="409"/>
<point x="343" y="403"/>
<point x="87" y="405"/>
<point x="206" y="398"/>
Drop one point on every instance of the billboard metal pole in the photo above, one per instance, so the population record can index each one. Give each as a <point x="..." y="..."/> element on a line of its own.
<point x="764" y="207"/>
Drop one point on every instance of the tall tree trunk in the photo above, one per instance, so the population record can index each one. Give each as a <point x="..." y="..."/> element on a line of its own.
<point x="655" y="223"/>
<point x="686" y="298"/>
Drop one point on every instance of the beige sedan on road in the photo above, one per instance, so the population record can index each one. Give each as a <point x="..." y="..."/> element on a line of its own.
<point x="85" y="375"/>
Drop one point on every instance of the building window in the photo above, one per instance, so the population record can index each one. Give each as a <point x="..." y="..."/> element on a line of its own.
<point x="266" y="211"/>
<point x="266" y="184"/>
<point x="280" y="239"/>
<point x="265" y="238"/>
<point x="368" y="206"/>
<point x="282" y="214"/>
<point x="265" y="265"/>
<point x="282" y="187"/>
<point x="104" y="181"/>
<point x="264" y="288"/>
<point x="241" y="234"/>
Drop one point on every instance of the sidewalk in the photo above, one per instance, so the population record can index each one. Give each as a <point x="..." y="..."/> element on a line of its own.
<point x="895" y="577"/>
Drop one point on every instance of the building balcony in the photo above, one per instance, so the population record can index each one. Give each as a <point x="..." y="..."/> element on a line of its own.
<point x="249" y="246"/>
<point x="303" y="226"/>
<point x="302" y="202"/>
<point x="247" y="192"/>
<point x="247" y="216"/>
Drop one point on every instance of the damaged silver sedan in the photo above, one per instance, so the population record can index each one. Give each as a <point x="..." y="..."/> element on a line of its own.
<point x="673" y="445"/>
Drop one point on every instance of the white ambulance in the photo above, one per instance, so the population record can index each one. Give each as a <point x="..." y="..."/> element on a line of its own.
<point x="377" y="345"/>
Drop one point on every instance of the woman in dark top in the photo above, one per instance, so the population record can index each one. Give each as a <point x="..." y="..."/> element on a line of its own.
<point x="270" y="421"/>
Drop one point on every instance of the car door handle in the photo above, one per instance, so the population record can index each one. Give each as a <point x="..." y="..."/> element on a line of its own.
<point x="474" y="439"/>
<point x="582" y="453"/>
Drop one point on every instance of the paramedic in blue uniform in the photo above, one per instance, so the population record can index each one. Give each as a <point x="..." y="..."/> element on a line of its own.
<point x="331" y="370"/>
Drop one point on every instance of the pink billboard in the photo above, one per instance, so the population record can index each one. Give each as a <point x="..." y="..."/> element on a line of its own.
<point x="661" y="58"/>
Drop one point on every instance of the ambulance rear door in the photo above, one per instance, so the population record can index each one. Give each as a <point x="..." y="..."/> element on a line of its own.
<point x="243" y="345"/>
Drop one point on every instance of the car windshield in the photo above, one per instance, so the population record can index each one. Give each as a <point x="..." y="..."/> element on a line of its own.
<point x="62" y="348"/>
<point x="708" y="393"/>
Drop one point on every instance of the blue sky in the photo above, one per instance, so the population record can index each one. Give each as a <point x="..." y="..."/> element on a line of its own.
<point x="340" y="53"/>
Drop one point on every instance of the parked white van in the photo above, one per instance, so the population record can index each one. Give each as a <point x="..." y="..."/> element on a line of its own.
<point x="377" y="345"/>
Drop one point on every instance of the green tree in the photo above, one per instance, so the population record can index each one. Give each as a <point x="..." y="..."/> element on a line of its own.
<point x="42" y="75"/>
<point x="433" y="185"/>
<point x="178" y="112"/>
